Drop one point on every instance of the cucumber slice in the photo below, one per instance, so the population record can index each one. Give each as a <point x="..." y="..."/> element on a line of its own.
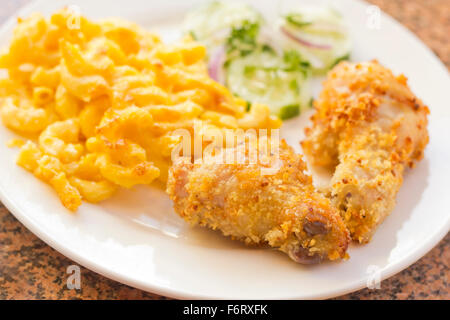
<point x="282" y="83"/>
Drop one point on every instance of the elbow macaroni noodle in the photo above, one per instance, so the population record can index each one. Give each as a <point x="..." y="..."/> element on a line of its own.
<point x="102" y="104"/>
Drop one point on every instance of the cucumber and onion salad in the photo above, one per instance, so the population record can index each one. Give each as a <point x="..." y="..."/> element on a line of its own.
<point x="268" y="64"/>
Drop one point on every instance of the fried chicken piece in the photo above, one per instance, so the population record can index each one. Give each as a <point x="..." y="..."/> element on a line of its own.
<point x="281" y="208"/>
<point x="369" y="126"/>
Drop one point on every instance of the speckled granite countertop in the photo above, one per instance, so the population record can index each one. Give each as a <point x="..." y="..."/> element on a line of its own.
<point x="29" y="269"/>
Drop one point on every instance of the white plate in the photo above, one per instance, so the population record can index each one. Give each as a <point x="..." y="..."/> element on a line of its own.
<point x="137" y="239"/>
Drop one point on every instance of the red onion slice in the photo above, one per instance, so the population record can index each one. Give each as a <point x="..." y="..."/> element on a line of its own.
<point x="304" y="42"/>
<point x="215" y="65"/>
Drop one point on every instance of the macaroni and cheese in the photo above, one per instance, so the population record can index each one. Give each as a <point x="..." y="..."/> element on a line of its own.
<point x="100" y="103"/>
